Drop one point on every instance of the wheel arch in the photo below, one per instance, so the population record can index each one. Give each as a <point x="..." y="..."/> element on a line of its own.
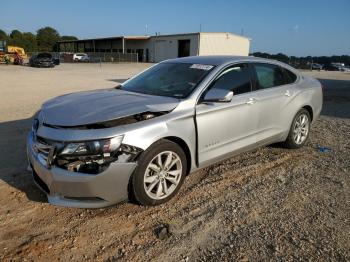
<point x="184" y="147"/>
<point x="310" y="110"/>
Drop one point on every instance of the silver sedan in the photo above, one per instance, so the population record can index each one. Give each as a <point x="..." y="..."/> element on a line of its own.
<point x="141" y="139"/>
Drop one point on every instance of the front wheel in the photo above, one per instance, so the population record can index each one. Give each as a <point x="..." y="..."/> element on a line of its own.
<point x="160" y="173"/>
<point x="299" y="130"/>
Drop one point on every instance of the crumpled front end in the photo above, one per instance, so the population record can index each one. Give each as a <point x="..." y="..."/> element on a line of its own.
<point x="83" y="181"/>
<point x="85" y="158"/>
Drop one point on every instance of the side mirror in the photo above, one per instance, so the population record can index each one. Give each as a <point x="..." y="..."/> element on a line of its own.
<point x="218" y="95"/>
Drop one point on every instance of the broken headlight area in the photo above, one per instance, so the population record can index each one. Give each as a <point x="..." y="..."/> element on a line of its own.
<point x="94" y="157"/>
<point x="105" y="147"/>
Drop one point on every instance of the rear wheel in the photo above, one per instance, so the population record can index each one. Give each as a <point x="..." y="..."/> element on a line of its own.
<point x="299" y="131"/>
<point x="160" y="173"/>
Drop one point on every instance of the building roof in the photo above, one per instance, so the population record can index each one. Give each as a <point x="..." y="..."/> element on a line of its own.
<point x="195" y="33"/>
<point x="135" y="37"/>
<point x="144" y="37"/>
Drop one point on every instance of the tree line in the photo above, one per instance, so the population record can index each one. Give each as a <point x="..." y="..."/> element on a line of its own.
<point x="304" y="62"/>
<point x="45" y="39"/>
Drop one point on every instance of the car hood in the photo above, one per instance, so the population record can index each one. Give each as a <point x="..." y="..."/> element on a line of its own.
<point x="91" y="107"/>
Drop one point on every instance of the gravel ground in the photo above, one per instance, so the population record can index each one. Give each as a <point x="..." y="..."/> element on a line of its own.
<point x="271" y="204"/>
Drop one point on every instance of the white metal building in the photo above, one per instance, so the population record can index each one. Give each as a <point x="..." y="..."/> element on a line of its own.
<point x="161" y="47"/>
<point x="172" y="46"/>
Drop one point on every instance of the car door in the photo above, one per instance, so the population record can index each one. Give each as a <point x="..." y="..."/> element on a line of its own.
<point x="225" y="127"/>
<point x="274" y="96"/>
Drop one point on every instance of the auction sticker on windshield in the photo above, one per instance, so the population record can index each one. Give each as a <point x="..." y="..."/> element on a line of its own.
<point x="202" y="67"/>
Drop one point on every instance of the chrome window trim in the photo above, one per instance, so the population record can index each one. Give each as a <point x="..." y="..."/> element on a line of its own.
<point x="213" y="78"/>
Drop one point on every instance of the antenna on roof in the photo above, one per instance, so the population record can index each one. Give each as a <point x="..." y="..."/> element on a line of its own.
<point x="242" y="31"/>
<point x="200" y="27"/>
<point x="146" y="27"/>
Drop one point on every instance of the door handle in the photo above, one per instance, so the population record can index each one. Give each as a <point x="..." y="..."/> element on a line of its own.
<point x="287" y="93"/>
<point x="251" y="101"/>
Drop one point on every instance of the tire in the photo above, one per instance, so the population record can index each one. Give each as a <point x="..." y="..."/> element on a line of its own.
<point x="155" y="195"/>
<point x="292" y="140"/>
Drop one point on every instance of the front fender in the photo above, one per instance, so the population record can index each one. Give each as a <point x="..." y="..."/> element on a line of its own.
<point x="148" y="133"/>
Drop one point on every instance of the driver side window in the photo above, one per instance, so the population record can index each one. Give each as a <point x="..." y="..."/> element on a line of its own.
<point x="235" y="78"/>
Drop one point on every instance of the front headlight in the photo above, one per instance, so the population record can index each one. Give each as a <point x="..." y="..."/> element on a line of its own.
<point x="36" y="121"/>
<point x="35" y="125"/>
<point x="98" y="147"/>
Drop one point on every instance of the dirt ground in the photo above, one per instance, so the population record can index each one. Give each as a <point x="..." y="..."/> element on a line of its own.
<point x="271" y="204"/>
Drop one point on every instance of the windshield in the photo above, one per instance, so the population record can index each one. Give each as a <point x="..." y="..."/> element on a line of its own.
<point x="44" y="55"/>
<point x="168" y="79"/>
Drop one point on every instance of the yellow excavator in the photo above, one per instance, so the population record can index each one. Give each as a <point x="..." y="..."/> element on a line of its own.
<point x="12" y="54"/>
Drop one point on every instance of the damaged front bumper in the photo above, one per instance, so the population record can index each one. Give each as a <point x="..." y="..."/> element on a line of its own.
<point x="74" y="189"/>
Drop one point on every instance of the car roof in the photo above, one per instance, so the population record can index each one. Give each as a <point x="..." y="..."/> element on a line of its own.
<point x="217" y="60"/>
<point x="214" y="60"/>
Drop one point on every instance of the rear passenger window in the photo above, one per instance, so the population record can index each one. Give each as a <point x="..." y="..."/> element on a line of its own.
<point x="269" y="75"/>
<point x="235" y="79"/>
<point x="289" y="76"/>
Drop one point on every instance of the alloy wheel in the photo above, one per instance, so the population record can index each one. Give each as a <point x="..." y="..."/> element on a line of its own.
<point x="162" y="175"/>
<point x="301" y="129"/>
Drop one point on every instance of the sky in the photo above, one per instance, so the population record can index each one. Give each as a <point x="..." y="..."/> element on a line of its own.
<point x="294" y="27"/>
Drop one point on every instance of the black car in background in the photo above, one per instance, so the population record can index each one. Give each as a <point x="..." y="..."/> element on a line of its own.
<point x="43" y="60"/>
<point x="316" y="66"/>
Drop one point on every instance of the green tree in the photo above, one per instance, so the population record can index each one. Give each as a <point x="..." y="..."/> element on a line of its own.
<point x="47" y="38"/>
<point x="3" y="35"/>
<point x="29" y="42"/>
<point x="25" y="40"/>
<point x="68" y="37"/>
<point x="16" y="34"/>
<point x="15" y="38"/>
<point x="281" y="57"/>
